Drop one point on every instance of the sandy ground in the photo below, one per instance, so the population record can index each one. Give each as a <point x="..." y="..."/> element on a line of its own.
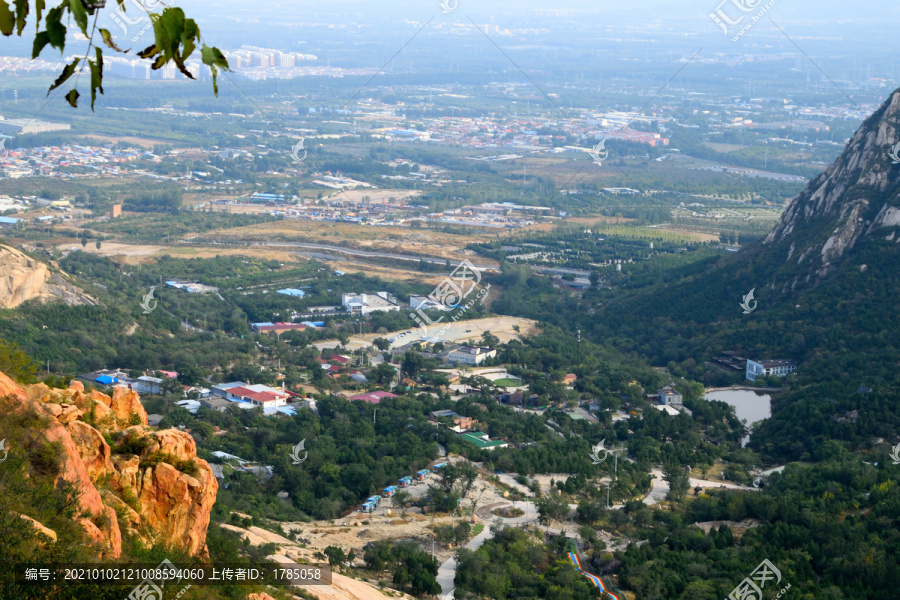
<point x="388" y="522"/>
<point x="112" y="249"/>
<point x="397" y="240"/>
<point x="135" y="141"/>
<point x="459" y="332"/>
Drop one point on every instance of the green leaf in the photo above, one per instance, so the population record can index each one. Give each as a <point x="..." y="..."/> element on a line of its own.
<point x="39" y="11"/>
<point x="67" y="72"/>
<point x="7" y="19"/>
<point x="190" y="33"/>
<point x="149" y="52"/>
<point x="72" y="97"/>
<point x="40" y="41"/>
<point x="55" y="29"/>
<point x="109" y="41"/>
<point x="22" y="8"/>
<point x="96" y="75"/>
<point x="213" y="58"/>
<point x="79" y="13"/>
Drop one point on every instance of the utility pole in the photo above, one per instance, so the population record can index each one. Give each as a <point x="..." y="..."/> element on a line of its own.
<point x="374" y="414"/>
<point x="579" y="351"/>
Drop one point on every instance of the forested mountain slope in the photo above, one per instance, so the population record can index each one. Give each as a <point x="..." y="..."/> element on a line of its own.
<point x="826" y="281"/>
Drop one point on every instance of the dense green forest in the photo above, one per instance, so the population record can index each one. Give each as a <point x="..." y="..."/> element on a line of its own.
<point x="830" y="529"/>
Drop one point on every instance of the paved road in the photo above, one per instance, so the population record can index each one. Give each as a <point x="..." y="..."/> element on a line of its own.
<point x="447" y="571"/>
<point x="661" y="488"/>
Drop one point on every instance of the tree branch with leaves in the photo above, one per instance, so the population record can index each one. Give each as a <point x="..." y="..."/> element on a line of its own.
<point x="176" y="37"/>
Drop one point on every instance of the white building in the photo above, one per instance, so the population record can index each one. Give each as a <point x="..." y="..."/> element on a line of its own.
<point x="364" y="304"/>
<point x="147" y="385"/>
<point x="470" y="356"/>
<point x="763" y="368"/>
<point x="669" y="396"/>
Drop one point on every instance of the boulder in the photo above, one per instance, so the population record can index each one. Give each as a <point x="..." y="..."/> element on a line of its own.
<point x="175" y="442"/>
<point x="76" y="385"/>
<point x="92" y="448"/>
<point x="126" y="403"/>
<point x="99" y="397"/>
<point x="104" y="417"/>
<point x="53" y="409"/>
<point x="69" y="413"/>
<point x="38" y="391"/>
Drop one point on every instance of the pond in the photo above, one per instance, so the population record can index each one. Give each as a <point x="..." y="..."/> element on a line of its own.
<point x="749" y="406"/>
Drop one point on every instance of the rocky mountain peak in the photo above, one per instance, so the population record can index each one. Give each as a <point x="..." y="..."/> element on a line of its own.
<point x="857" y="196"/>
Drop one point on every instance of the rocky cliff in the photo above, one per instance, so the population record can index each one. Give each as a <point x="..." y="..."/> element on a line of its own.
<point x="23" y="278"/>
<point x="856" y="197"/>
<point x="148" y="484"/>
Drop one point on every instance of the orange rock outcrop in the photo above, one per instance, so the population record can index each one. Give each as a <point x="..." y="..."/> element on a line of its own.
<point x="155" y="481"/>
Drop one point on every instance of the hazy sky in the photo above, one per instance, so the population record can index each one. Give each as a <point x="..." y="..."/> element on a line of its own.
<point x="800" y="8"/>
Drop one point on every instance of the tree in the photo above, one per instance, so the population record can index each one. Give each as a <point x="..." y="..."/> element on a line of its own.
<point x="98" y="244"/>
<point x="16" y="363"/>
<point x="84" y="242"/>
<point x="588" y="512"/>
<point x="678" y="481"/>
<point x="382" y="344"/>
<point x="175" y="39"/>
<point x="383" y="373"/>
<point x="401" y="498"/>
<point x="489" y="340"/>
<point x="412" y="363"/>
<point x="551" y="508"/>
<point x="336" y="557"/>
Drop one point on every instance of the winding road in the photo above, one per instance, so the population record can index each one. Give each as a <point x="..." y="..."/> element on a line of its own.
<point x="447" y="571"/>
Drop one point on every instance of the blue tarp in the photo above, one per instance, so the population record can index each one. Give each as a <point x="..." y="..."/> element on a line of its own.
<point x="106" y="380"/>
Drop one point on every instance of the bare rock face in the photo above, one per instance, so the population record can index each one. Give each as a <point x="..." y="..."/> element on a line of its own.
<point x="92" y="448"/>
<point x="175" y="442"/>
<point x="176" y="505"/>
<point x="73" y="469"/>
<point x="69" y="413"/>
<point x="855" y="197"/>
<point x="126" y="403"/>
<point x="164" y="504"/>
<point x="23" y="278"/>
<point x="126" y="474"/>
<point x="40" y="528"/>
